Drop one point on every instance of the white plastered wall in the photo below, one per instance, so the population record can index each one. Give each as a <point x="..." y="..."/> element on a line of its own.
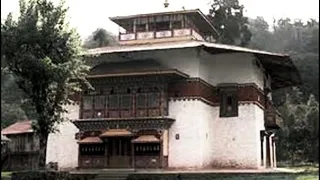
<point x="207" y="140"/>
<point x="229" y="68"/>
<point x="187" y="150"/>
<point x="237" y="139"/>
<point x="184" y="60"/>
<point x="62" y="146"/>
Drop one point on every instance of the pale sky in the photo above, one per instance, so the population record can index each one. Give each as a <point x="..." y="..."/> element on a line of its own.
<point x="87" y="15"/>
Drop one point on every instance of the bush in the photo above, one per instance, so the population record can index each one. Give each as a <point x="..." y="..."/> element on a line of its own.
<point x="40" y="175"/>
<point x="50" y="175"/>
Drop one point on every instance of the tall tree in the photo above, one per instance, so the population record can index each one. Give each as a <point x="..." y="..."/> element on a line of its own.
<point x="100" y="38"/>
<point x="227" y="17"/>
<point x="260" y="33"/>
<point x="44" y="55"/>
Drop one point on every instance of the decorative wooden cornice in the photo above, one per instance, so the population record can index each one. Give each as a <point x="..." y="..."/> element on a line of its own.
<point x="132" y="124"/>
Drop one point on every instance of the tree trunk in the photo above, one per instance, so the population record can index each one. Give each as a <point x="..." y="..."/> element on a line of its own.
<point x="43" y="151"/>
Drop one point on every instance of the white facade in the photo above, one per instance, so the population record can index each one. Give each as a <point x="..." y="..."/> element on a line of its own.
<point x="62" y="146"/>
<point x="205" y="139"/>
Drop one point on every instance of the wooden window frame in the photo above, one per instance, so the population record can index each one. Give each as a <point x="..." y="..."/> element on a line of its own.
<point x="177" y="24"/>
<point x="229" y="109"/>
<point x="103" y="102"/>
<point x="121" y="102"/>
<point x="161" y="28"/>
<point x="108" y="109"/>
<point x="147" y="149"/>
<point x="145" y="106"/>
<point x="109" y="102"/>
<point x="83" y="102"/>
<point x="91" y="149"/>
<point x="158" y="99"/>
<point x="141" y="27"/>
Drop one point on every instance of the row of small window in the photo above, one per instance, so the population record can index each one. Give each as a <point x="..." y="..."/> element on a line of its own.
<point x="121" y="101"/>
<point x="147" y="148"/>
<point x="159" y="26"/>
<point x="92" y="149"/>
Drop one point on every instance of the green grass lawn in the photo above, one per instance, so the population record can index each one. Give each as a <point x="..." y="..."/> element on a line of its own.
<point x="5" y="175"/>
<point x="309" y="173"/>
<point x="305" y="173"/>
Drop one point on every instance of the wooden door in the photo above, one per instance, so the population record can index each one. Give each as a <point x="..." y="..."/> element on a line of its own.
<point x="119" y="152"/>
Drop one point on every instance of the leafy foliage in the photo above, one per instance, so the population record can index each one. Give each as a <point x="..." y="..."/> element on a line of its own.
<point x="100" y="38"/>
<point x="227" y="18"/>
<point x="299" y="137"/>
<point x="44" y="56"/>
<point x="11" y="101"/>
<point x="51" y="175"/>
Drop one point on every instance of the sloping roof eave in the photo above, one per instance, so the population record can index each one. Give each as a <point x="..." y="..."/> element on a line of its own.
<point x="20" y="127"/>
<point x="282" y="59"/>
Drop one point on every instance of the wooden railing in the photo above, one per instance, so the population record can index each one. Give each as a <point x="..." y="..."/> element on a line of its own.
<point x="272" y="118"/>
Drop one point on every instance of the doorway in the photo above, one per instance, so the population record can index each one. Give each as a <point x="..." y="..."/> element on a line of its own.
<point x="119" y="152"/>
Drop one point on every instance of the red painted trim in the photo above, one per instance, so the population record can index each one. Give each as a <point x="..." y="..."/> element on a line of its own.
<point x="196" y="88"/>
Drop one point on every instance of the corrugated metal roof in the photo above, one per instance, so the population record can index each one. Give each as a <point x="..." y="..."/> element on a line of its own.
<point x="175" y="45"/>
<point x="18" y="128"/>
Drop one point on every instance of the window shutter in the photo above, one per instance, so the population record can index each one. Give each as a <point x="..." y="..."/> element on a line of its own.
<point x="223" y="104"/>
<point x="235" y="103"/>
<point x="225" y="94"/>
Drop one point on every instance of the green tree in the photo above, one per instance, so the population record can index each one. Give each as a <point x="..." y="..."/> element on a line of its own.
<point x="12" y="100"/>
<point x="313" y="124"/>
<point x="260" y="33"/>
<point x="44" y="56"/>
<point x="298" y="138"/>
<point x="100" y="38"/>
<point x="11" y="113"/>
<point x="227" y="17"/>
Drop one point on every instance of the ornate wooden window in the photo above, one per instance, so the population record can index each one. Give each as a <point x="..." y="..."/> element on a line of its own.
<point x="87" y="102"/>
<point x="92" y="149"/>
<point x="99" y="102"/>
<point x="114" y="101"/>
<point x="176" y="24"/>
<point x="228" y="101"/>
<point x="141" y="27"/>
<point x="141" y="101"/>
<point x="126" y="101"/>
<point x="122" y="101"/>
<point x="154" y="100"/>
<point x="164" y="25"/>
